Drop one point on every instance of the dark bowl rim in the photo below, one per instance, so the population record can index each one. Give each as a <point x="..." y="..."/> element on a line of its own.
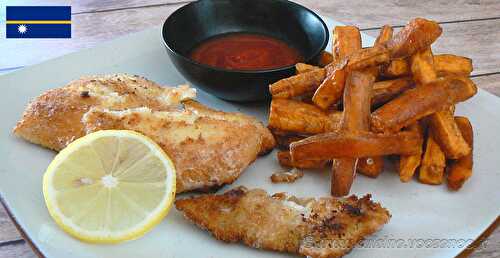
<point x="279" y="69"/>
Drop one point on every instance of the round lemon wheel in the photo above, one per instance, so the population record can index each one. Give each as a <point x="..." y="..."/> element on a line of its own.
<point x="109" y="186"/>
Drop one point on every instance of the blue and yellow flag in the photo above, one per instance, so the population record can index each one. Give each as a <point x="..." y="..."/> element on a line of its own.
<point x="38" y="22"/>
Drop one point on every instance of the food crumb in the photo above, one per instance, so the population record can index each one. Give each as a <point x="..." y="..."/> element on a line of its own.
<point x="287" y="176"/>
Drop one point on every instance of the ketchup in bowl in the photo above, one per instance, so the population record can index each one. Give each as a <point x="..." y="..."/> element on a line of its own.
<point x="245" y="51"/>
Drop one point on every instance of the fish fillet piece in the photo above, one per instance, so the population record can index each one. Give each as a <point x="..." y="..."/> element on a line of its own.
<point x="322" y="227"/>
<point x="209" y="148"/>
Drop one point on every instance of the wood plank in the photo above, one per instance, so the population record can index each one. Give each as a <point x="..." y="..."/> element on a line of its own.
<point x="491" y="83"/>
<point x="8" y="231"/>
<point x="477" y="40"/>
<point x="17" y="250"/>
<point x="372" y="14"/>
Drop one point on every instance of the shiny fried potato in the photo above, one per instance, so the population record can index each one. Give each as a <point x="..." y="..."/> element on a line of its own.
<point x="371" y="167"/>
<point x="346" y="41"/>
<point x="325" y="58"/>
<point x="448" y="135"/>
<point x="297" y="85"/>
<point x="330" y="91"/>
<point x="384" y="91"/>
<point x="284" y="138"/>
<point x="396" y="68"/>
<point x="303" y="68"/>
<point x="417" y="35"/>
<point x="355" y="145"/>
<point x="419" y="102"/>
<point x="408" y="164"/>
<point x="422" y="66"/>
<point x="357" y="95"/>
<point x="452" y="64"/>
<point x="368" y="57"/>
<point x="285" y="160"/>
<point x="460" y="170"/>
<point x="384" y="35"/>
<point x="433" y="163"/>
<point x="299" y="117"/>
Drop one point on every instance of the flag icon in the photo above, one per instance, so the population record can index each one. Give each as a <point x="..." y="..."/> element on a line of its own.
<point x="38" y="22"/>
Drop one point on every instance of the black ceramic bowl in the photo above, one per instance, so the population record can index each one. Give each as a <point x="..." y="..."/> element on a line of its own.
<point x="198" y="21"/>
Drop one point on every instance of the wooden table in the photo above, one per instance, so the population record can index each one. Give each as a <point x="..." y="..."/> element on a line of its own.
<point x="470" y="28"/>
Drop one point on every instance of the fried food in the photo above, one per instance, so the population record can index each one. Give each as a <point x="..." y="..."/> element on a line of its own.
<point x="408" y="164"/>
<point x="325" y="58"/>
<point x="452" y="64"/>
<point x="330" y="91"/>
<point x="285" y="138"/>
<point x="385" y="91"/>
<point x="296" y="116"/>
<point x="357" y="99"/>
<point x="417" y="35"/>
<point x="422" y="67"/>
<point x="422" y="101"/>
<point x="384" y="35"/>
<point x="346" y="41"/>
<point x="298" y="84"/>
<point x="354" y="145"/>
<point x="461" y="169"/>
<point x="285" y="160"/>
<point x="209" y="148"/>
<point x="448" y="135"/>
<point x="286" y="176"/>
<point x="396" y="68"/>
<point x="303" y="68"/>
<point x="371" y="167"/>
<point x="309" y="227"/>
<point x="368" y="57"/>
<point x="433" y="162"/>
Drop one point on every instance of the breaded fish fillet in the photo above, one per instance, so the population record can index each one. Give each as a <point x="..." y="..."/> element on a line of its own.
<point x="323" y="227"/>
<point x="209" y="148"/>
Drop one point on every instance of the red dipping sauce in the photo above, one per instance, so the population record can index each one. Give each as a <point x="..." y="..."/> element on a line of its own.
<point x="244" y="51"/>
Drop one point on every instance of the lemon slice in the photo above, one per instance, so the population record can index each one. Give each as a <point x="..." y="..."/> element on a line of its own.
<point x="109" y="186"/>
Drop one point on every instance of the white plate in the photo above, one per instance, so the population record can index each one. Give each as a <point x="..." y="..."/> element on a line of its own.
<point x="419" y="211"/>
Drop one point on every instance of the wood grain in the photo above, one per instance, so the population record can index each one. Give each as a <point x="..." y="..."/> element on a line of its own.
<point x="477" y="40"/>
<point x="374" y="14"/>
<point x="491" y="83"/>
<point x="8" y="231"/>
<point x="17" y="250"/>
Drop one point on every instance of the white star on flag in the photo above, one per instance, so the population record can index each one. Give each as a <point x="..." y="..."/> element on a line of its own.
<point x="22" y="28"/>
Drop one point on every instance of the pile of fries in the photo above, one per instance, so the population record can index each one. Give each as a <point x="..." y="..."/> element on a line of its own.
<point x="361" y="104"/>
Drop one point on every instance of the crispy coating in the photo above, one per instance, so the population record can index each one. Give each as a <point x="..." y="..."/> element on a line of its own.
<point x="452" y="64"/>
<point x="285" y="160"/>
<point x="286" y="176"/>
<point x="433" y="163"/>
<point x="285" y="138"/>
<point x="385" y="91"/>
<point x="419" y="102"/>
<point x="209" y="148"/>
<point x="371" y="167"/>
<point x="408" y="164"/>
<point x="384" y="35"/>
<point x="300" y="117"/>
<point x="302" y="68"/>
<point x="331" y="89"/>
<point x="354" y="145"/>
<point x="417" y="35"/>
<point x="367" y="57"/>
<point x="323" y="228"/>
<point x="346" y="41"/>
<point x="460" y="170"/>
<point x="448" y="135"/>
<point x="422" y="66"/>
<point x="297" y="85"/>
<point x="396" y="68"/>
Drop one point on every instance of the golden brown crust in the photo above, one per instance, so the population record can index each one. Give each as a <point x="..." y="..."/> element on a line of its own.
<point x="309" y="227"/>
<point x="209" y="148"/>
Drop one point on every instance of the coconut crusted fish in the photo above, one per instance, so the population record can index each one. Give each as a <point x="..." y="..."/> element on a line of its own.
<point x="209" y="148"/>
<point x="323" y="227"/>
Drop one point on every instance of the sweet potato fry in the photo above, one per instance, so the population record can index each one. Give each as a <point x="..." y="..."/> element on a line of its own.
<point x="460" y="170"/>
<point x="417" y="35"/>
<point x="298" y="84"/>
<point x="419" y="102"/>
<point x="371" y="167"/>
<point x="284" y="138"/>
<point x="452" y="64"/>
<point x="325" y="58"/>
<point x="384" y="35"/>
<point x="447" y="134"/>
<point x="330" y="91"/>
<point x="357" y="95"/>
<point x="433" y="163"/>
<point x="355" y="145"/>
<point x="346" y="41"/>
<point x="422" y="66"/>
<point x="368" y="57"/>
<point x="285" y="160"/>
<point x="396" y="68"/>
<point x="408" y="164"/>
<point x="299" y="117"/>
<point x="384" y="91"/>
<point x="302" y="68"/>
